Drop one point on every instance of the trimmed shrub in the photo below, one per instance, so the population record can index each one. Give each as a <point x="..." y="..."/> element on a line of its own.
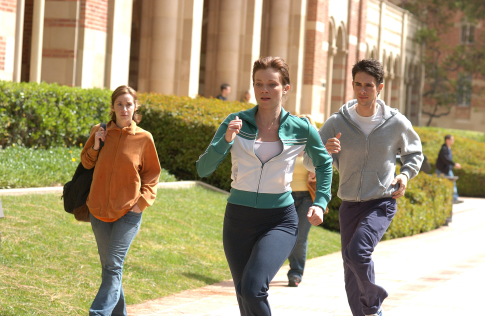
<point x="468" y="150"/>
<point x="48" y="115"/>
<point x="426" y="205"/>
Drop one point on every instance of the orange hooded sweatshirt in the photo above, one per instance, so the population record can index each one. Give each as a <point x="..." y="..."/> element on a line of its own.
<point x="126" y="173"/>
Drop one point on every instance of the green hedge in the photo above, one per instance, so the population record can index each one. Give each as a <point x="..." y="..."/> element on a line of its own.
<point x="50" y="115"/>
<point x="426" y="205"/>
<point x="468" y="150"/>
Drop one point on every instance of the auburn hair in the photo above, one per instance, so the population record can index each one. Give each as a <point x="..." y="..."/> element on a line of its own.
<point x="120" y="91"/>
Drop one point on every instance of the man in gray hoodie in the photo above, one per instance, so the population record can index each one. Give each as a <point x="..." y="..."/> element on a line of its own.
<point x="364" y="137"/>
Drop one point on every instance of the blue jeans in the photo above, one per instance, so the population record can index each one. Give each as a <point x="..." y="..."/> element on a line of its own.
<point x="114" y="240"/>
<point x="303" y="201"/>
<point x="450" y="174"/>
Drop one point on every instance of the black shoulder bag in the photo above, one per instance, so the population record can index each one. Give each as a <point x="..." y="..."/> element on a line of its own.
<point x="75" y="192"/>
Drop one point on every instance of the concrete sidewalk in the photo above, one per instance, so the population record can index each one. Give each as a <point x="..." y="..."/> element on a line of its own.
<point x="436" y="273"/>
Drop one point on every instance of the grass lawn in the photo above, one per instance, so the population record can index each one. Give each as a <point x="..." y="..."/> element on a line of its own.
<point x="49" y="263"/>
<point x="22" y="167"/>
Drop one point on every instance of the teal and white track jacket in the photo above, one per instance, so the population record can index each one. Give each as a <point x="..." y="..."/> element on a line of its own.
<point x="267" y="185"/>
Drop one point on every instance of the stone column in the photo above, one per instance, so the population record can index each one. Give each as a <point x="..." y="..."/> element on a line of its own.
<point x="279" y="28"/>
<point x="37" y="38"/>
<point x="250" y="47"/>
<point x="228" y="46"/>
<point x="19" y="35"/>
<point x="362" y="31"/>
<point x="339" y="80"/>
<point x="144" y="62"/>
<point x="295" y="55"/>
<point x="388" y="88"/>
<point x="233" y="43"/>
<point x="315" y="61"/>
<point x="380" y="40"/>
<point x="59" y="46"/>
<point x="170" y="42"/>
<point x="354" y="38"/>
<point x="396" y="90"/>
<point x="118" y="43"/>
<point x="332" y="51"/>
<point x="163" y="38"/>
<point x="283" y="35"/>
<point x="402" y="85"/>
<point x="409" y="97"/>
<point x="189" y="63"/>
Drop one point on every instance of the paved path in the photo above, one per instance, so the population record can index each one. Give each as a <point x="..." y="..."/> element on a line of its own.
<point x="436" y="273"/>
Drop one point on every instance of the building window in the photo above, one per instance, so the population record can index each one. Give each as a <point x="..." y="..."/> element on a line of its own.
<point x="464" y="90"/>
<point x="467" y="34"/>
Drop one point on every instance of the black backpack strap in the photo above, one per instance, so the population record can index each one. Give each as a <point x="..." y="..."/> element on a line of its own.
<point x="101" y="143"/>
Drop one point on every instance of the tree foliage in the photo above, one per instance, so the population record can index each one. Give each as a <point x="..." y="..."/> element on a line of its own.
<point x="449" y="63"/>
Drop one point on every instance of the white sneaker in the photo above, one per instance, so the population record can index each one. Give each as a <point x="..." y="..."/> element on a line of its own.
<point x="380" y="312"/>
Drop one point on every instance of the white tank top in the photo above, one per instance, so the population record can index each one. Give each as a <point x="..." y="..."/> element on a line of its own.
<point x="267" y="150"/>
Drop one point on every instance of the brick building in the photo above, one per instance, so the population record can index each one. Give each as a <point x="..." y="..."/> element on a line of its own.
<point x="469" y="111"/>
<point x="190" y="47"/>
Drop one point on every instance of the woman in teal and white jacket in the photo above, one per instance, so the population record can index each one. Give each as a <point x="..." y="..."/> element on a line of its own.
<point x="260" y="223"/>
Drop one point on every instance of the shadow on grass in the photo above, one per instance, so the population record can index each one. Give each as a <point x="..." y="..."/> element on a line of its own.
<point x="207" y="280"/>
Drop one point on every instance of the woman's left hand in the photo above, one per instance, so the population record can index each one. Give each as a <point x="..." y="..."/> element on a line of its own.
<point x="315" y="215"/>
<point x="136" y="209"/>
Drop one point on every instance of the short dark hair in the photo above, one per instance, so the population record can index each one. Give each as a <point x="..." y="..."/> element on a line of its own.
<point x="448" y="137"/>
<point x="224" y="86"/>
<point x="371" y="67"/>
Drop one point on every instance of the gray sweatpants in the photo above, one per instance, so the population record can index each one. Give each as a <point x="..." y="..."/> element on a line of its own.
<point x="362" y="225"/>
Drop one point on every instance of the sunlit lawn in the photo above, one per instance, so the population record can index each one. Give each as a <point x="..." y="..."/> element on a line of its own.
<point x="49" y="263"/>
<point x="27" y="167"/>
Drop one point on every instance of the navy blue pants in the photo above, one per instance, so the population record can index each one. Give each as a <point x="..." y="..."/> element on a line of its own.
<point x="257" y="243"/>
<point x="362" y="225"/>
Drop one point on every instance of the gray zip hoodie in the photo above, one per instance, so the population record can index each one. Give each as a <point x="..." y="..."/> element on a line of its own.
<point x="367" y="164"/>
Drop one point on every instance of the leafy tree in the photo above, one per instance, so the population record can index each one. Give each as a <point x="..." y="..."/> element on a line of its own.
<point x="449" y="68"/>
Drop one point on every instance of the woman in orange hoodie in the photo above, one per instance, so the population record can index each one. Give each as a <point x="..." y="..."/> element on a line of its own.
<point x="124" y="185"/>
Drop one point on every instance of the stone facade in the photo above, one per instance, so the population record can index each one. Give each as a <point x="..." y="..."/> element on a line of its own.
<point x="191" y="47"/>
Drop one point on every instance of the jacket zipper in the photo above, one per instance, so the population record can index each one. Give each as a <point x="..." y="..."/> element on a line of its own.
<point x="262" y="164"/>
<point x="259" y="183"/>
<point x="366" y="149"/>
<point x="365" y="164"/>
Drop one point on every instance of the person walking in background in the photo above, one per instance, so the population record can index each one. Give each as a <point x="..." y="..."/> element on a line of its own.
<point x="246" y="96"/>
<point x="225" y="90"/>
<point x="303" y="201"/>
<point x="260" y="222"/>
<point x="364" y="137"/>
<point x="445" y="164"/>
<point x="124" y="185"/>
